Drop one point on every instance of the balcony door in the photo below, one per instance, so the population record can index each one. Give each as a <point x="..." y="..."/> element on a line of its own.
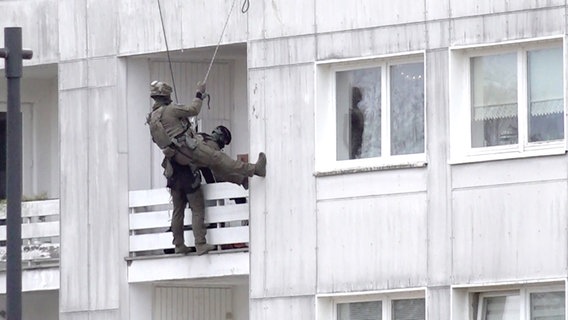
<point x="192" y="303"/>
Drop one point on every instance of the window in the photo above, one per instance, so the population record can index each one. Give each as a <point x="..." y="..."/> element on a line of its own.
<point x="371" y="310"/>
<point x="547" y="305"/>
<point x="530" y="302"/>
<point x="391" y="307"/>
<point x="500" y="306"/>
<point x="374" y="109"/>
<point x="507" y="100"/>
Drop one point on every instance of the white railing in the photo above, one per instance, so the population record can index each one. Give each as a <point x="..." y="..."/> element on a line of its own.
<point x="40" y="234"/>
<point x="226" y="213"/>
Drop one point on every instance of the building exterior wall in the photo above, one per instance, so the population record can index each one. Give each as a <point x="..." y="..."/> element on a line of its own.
<point x="432" y="227"/>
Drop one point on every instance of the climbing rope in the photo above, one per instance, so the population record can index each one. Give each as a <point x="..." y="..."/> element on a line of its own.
<point x="219" y="42"/>
<point x="244" y="9"/>
<point x="168" y="51"/>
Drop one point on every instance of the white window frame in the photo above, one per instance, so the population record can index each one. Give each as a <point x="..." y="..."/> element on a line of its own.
<point x="492" y="294"/>
<point x="326" y="122"/>
<point x="527" y="291"/>
<point x="461" y="150"/>
<point x="462" y="295"/>
<point x="327" y="304"/>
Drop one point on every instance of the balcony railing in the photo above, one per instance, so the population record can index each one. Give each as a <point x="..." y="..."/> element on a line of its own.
<point x="40" y="234"/>
<point x="226" y="213"/>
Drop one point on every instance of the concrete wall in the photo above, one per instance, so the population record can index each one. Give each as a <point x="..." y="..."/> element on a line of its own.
<point x="433" y="226"/>
<point x="407" y="228"/>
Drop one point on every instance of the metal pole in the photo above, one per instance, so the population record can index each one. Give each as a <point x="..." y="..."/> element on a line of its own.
<point x="13" y="54"/>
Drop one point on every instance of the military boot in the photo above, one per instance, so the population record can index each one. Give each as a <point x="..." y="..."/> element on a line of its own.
<point x="183" y="249"/>
<point x="204" y="248"/>
<point x="260" y="166"/>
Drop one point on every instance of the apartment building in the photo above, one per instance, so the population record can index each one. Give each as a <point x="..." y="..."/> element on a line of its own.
<point x="416" y="159"/>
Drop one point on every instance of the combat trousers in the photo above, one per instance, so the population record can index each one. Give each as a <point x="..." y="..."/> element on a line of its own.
<point x="197" y="205"/>
<point x="221" y="164"/>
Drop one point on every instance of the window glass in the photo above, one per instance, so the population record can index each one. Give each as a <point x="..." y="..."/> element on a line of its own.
<point x="494" y="100"/>
<point x="501" y="308"/>
<point x="358" y="99"/>
<point x="546" y="99"/>
<point x="547" y="306"/>
<point x="407" y="108"/>
<point x="412" y="309"/>
<point x="371" y="310"/>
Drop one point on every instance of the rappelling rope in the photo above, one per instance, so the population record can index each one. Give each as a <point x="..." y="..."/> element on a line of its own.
<point x="244" y="9"/>
<point x="168" y="51"/>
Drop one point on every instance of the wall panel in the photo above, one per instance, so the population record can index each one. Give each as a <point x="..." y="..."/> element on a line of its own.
<point x="507" y="26"/>
<point x="510" y="232"/>
<point x="335" y="15"/>
<point x="461" y="8"/>
<point x="73" y="19"/>
<point x="297" y="308"/>
<point x="73" y="126"/>
<point x="280" y="18"/>
<point x="372" y="243"/>
<point x="282" y="204"/>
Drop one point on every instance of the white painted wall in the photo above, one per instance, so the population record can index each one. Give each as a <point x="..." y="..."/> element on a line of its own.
<point x="438" y="223"/>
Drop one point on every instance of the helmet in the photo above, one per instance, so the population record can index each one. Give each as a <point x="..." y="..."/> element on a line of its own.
<point x="222" y="135"/>
<point x="159" y="88"/>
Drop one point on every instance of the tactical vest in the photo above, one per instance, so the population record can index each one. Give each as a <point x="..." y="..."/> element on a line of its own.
<point x="157" y="131"/>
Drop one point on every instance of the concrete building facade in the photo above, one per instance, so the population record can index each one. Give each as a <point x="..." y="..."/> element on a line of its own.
<point x="416" y="157"/>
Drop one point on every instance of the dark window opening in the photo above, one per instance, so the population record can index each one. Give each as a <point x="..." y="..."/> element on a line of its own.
<point x="2" y="155"/>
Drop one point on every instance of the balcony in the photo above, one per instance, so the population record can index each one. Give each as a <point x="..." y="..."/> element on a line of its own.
<point x="151" y="255"/>
<point x="40" y="245"/>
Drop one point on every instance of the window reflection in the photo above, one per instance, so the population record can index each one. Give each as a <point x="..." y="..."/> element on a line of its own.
<point x="494" y="100"/>
<point x="546" y="102"/>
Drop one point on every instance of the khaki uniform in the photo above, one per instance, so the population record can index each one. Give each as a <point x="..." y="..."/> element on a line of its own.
<point x="185" y="188"/>
<point x="180" y="198"/>
<point x="191" y="149"/>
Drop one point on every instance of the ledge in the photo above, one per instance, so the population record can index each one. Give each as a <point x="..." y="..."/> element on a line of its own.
<point x="185" y="267"/>
<point x="370" y="169"/>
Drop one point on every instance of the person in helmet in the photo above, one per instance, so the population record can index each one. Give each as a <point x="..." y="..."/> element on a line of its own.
<point x="184" y="184"/>
<point x="171" y="131"/>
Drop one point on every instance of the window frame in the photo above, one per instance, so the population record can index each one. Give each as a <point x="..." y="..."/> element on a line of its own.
<point x="461" y="150"/>
<point x="326" y="115"/>
<point x="493" y="294"/>
<point x="463" y="296"/>
<point x="386" y="298"/>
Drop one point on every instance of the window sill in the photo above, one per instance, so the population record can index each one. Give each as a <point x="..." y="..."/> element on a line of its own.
<point x="507" y="155"/>
<point x="361" y="169"/>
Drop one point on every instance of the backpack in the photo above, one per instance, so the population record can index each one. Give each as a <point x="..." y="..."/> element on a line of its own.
<point x="157" y="131"/>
